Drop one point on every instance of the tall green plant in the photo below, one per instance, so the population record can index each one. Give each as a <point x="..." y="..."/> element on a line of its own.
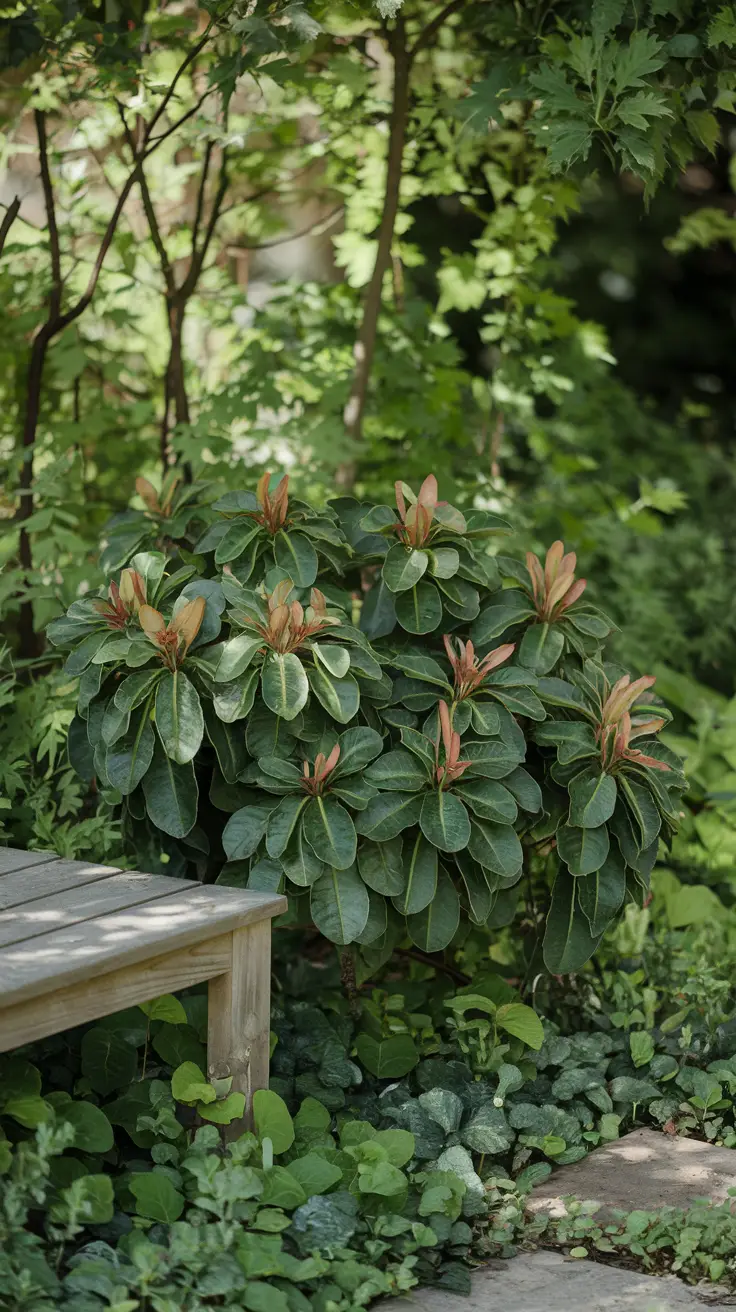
<point x="397" y="777"/>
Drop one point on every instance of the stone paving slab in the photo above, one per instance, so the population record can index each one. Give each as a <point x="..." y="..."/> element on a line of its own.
<point x="644" y="1169"/>
<point x="548" y="1282"/>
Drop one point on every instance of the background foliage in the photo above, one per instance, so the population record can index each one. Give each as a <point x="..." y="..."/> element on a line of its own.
<point x="491" y="242"/>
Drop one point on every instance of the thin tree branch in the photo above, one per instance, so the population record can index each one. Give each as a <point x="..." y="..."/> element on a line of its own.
<point x="155" y="142"/>
<point x="48" y="196"/>
<point x="425" y="37"/>
<point x="200" y="197"/>
<point x="11" y="215"/>
<point x="149" y="208"/>
<point x="291" y="236"/>
<point x="193" y="54"/>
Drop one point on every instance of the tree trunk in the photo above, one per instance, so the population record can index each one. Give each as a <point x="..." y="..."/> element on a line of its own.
<point x="365" y="343"/>
<point x="175" y="389"/>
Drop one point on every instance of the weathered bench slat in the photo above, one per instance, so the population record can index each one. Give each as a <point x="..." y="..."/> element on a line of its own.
<point x="79" y="941"/>
<point x="11" y="859"/>
<point x="97" y="946"/>
<point x="93" y="999"/>
<point x="129" y="889"/>
<point x="52" y="877"/>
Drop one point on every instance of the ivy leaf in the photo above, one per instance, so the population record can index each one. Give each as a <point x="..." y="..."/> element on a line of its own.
<point x="387" y="1059"/>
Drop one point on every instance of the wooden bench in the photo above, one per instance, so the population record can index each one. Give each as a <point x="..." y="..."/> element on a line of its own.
<point x="80" y="941"/>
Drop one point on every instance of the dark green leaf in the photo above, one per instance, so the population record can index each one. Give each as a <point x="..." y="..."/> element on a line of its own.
<point x="582" y="850"/>
<point x="382" y="867"/>
<point x="296" y="556"/>
<point x="601" y="895"/>
<point x="592" y="798"/>
<point x="330" y="832"/>
<point x="179" y="717"/>
<point x="434" y="927"/>
<point x="403" y="568"/>
<point x="284" y="684"/>
<point x="444" y="821"/>
<point x="568" y="942"/>
<point x="171" y="794"/>
<point x="420" y="609"/>
<point x="339" y="905"/>
<point x="420" y="875"/>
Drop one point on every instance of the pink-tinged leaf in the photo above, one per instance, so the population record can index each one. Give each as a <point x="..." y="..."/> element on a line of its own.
<point x="262" y="489"/>
<point x="640" y="727"/>
<point x="188" y="622"/>
<point x="562" y="584"/>
<point x="497" y="657"/>
<point x="568" y="563"/>
<point x="640" y="759"/>
<point x="152" y="622"/>
<point x="536" y="575"/>
<point x="147" y="493"/>
<point x="445" y="728"/>
<point x="552" y="563"/>
<point x="575" y="593"/>
<point x="332" y="759"/>
<point x="428" y="493"/>
<point x="400" y="502"/>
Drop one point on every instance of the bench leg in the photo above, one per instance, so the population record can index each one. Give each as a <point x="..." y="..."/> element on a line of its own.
<point x="240" y="1018"/>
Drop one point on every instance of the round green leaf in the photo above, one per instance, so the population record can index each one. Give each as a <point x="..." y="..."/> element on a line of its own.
<point x="156" y="1198"/>
<point x="592" y="798"/>
<point x="582" y="850"/>
<point x="444" y="821"/>
<point x="403" y="567"/>
<point x="340" y="905"/>
<point x="92" y="1130"/>
<point x="340" y="697"/>
<point x="171" y="794"/>
<point x="284" y="684"/>
<point x="108" y="1061"/>
<point x="387" y="1059"/>
<point x="330" y="832"/>
<point x="420" y="609"/>
<point x="434" y="927"/>
<point x="296" y="556"/>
